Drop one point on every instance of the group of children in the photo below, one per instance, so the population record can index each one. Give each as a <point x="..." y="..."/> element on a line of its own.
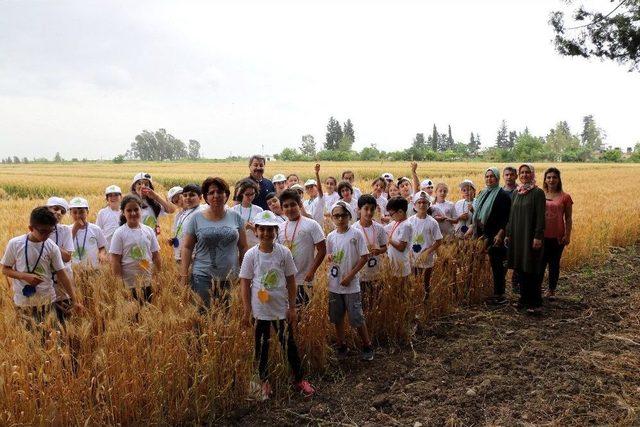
<point x="405" y="219"/>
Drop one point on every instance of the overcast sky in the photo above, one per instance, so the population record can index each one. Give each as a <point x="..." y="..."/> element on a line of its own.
<point x="84" y="77"/>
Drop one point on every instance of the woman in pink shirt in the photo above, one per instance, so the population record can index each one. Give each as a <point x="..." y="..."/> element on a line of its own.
<point x="557" y="231"/>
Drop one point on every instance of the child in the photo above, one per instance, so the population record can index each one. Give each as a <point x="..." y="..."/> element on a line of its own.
<point x="388" y="179"/>
<point x="246" y="192"/>
<point x="134" y="246"/>
<point x="331" y="196"/>
<point x="377" y="190"/>
<point x="153" y="206"/>
<point x="376" y="239"/>
<point x="268" y="287"/>
<point x="427" y="186"/>
<point x="108" y="218"/>
<point x="406" y="192"/>
<point x="31" y="260"/>
<point x="315" y="205"/>
<point x="443" y="210"/>
<point x="88" y="241"/>
<point x="292" y="179"/>
<point x="61" y="236"/>
<point x="174" y="195"/>
<point x="305" y="239"/>
<point x="425" y="240"/>
<point x="279" y="183"/>
<point x="350" y="177"/>
<point x="464" y="208"/>
<point x="190" y="196"/>
<point x="348" y="253"/>
<point x="345" y="190"/>
<point x="399" y="234"/>
<point x="274" y="206"/>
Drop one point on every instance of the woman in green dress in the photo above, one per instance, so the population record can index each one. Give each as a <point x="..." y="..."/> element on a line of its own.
<point x="525" y="236"/>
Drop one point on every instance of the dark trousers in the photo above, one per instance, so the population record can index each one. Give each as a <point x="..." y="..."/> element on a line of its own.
<point x="425" y="274"/>
<point x="62" y="308"/>
<point x="530" y="289"/>
<point x="142" y="294"/>
<point x="302" y="296"/>
<point x="262" y="338"/>
<point x="552" y="254"/>
<point x="496" y="259"/>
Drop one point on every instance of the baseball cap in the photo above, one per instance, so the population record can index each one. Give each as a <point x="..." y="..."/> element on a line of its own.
<point x="142" y="175"/>
<point x="278" y="178"/>
<point x="174" y="191"/>
<point x="467" y="182"/>
<point x="297" y="187"/>
<point x="78" y="202"/>
<point x="266" y="218"/>
<point x="421" y="195"/>
<point x="345" y="205"/>
<point x="387" y="176"/>
<point x="310" y="182"/>
<point x="112" y="189"/>
<point x="58" y="201"/>
<point x="426" y="183"/>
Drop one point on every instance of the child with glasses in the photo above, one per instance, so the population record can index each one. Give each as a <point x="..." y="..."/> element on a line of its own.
<point x="246" y="191"/>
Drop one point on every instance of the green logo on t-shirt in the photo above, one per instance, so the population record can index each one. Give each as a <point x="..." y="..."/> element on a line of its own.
<point x="150" y="221"/>
<point x="338" y="256"/>
<point x="137" y="252"/>
<point x="270" y="279"/>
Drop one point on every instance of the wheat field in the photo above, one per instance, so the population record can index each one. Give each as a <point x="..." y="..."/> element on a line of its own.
<point x="167" y="364"/>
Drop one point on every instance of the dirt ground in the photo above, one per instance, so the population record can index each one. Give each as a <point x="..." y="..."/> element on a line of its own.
<point x="576" y="365"/>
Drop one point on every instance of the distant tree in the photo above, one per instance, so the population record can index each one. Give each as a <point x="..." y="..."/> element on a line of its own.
<point x="194" y="149"/>
<point x="348" y="131"/>
<point x="591" y="136"/>
<point x="25" y="160"/>
<point x="370" y="153"/>
<point x="443" y="142"/>
<point x="614" y="155"/>
<point x="450" y="141"/>
<point x="529" y="148"/>
<point x="433" y="139"/>
<point x="16" y="159"/>
<point x="58" y="158"/>
<point x="502" y="138"/>
<point x="419" y="142"/>
<point x="474" y="144"/>
<point x="513" y="135"/>
<point x="334" y="134"/>
<point x="345" y="143"/>
<point x="560" y="139"/>
<point x="118" y="159"/>
<point x="157" y="146"/>
<point x="308" y="145"/>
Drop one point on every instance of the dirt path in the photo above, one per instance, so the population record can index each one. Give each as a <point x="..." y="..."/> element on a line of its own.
<point x="576" y="365"/>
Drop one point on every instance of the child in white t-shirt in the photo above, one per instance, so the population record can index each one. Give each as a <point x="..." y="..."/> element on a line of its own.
<point x="273" y="203"/>
<point x="61" y="236"/>
<point x="305" y="239"/>
<point x="153" y="206"/>
<point x="378" y="187"/>
<point x="376" y="239"/>
<point x="350" y="177"/>
<point x="31" y="260"/>
<point x="444" y="211"/>
<point x="268" y="287"/>
<point x="348" y="253"/>
<point x="88" y="241"/>
<point x="331" y="196"/>
<point x="345" y="190"/>
<point x="189" y="199"/>
<point x="399" y="237"/>
<point x="314" y="206"/>
<point x="464" y="208"/>
<point x="134" y="250"/>
<point x="108" y="218"/>
<point x="425" y="240"/>
<point x="246" y="191"/>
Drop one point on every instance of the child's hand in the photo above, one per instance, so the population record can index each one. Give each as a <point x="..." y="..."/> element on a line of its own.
<point x="32" y="279"/>
<point x="246" y="318"/>
<point x="330" y="257"/>
<point x="317" y="168"/>
<point x="464" y="217"/>
<point x="309" y="277"/>
<point x="346" y="280"/>
<point x="414" y="166"/>
<point x="292" y="316"/>
<point x="103" y="258"/>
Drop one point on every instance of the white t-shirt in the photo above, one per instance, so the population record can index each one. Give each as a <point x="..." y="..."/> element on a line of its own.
<point x="315" y="208"/>
<point x="399" y="232"/>
<point x="356" y="193"/>
<point x="87" y="243"/>
<point x="268" y="272"/>
<point x="447" y="209"/>
<point x="462" y="207"/>
<point x="346" y="250"/>
<point x="330" y="200"/>
<point x="382" y="205"/>
<point x="425" y="233"/>
<point x="108" y="220"/>
<point x="375" y="237"/>
<point x="136" y="245"/>
<point x="301" y="237"/>
<point x="49" y="263"/>
<point x="62" y="238"/>
<point x="247" y="215"/>
<point x="180" y="222"/>
<point x="149" y="217"/>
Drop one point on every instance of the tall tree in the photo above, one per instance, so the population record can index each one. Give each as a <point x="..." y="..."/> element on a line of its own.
<point x="450" y="141"/>
<point x="433" y="139"/>
<point x="560" y="139"/>
<point x="334" y="134"/>
<point x="591" y="136"/>
<point x="348" y="131"/>
<point x="194" y="149"/>
<point x="513" y="135"/>
<point x="308" y="145"/>
<point x="157" y="146"/>
<point x="58" y="158"/>
<point x="612" y="34"/>
<point x="474" y="144"/>
<point x="502" y="138"/>
<point x="419" y="142"/>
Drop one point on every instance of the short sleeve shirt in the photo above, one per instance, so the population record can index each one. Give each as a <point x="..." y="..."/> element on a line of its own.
<point x="87" y="243"/>
<point x="399" y="232"/>
<point x="247" y="215"/>
<point x="345" y="249"/>
<point x="425" y="233"/>
<point x="375" y="237"/>
<point x="300" y="237"/>
<point x="136" y="246"/>
<point x="108" y="220"/>
<point x="554" y="216"/>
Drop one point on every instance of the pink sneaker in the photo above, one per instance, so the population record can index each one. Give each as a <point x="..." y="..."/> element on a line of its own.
<point x="266" y="390"/>
<point x="305" y="388"/>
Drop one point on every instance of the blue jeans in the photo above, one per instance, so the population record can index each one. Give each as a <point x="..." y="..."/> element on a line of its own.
<point x="207" y="289"/>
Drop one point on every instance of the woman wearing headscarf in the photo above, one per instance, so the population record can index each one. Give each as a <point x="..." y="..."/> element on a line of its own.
<point x="490" y="218"/>
<point x="525" y="236"/>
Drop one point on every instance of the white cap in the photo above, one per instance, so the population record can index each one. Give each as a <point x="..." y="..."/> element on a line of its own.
<point x="421" y="195"/>
<point x="58" y="201"/>
<point x="467" y="182"/>
<point x="310" y="182"/>
<point x="426" y="183"/>
<point x="78" y="202"/>
<point x="297" y="187"/>
<point x="387" y="175"/>
<point x="345" y="205"/>
<point x="266" y="218"/>
<point x="174" y="191"/>
<point x="402" y="179"/>
<point x="279" y="178"/>
<point x="112" y="189"/>
<point x="142" y="175"/>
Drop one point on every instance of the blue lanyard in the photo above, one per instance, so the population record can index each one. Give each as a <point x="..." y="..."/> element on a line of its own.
<point x="250" y="210"/>
<point x="84" y="242"/>
<point x="26" y="256"/>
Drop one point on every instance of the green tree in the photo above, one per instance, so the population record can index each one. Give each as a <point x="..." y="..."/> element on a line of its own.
<point x="419" y="142"/>
<point x="560" y="139"/>
<point x="502" y="137"/>
<point x="591" y="136"/>
<point x="345" y="143"/>
<point x="370" y="153"/>
<point x="473" y="147"/>
<point x="348" y="131"/>
<point x="433" y="139"/>
<point x="450" y="142"/>
<point x="58" y="158"/>
<point x="334" y="134"/>
<point x="157" y="146"/>
<point x="529" y="148"/>
<point x="194" y="149"/>
<point x="118" y="159"/>
<point x="614" y="155"/>
<point x="308" y="145"/>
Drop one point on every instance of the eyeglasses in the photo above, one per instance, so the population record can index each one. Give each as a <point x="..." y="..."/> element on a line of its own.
<point x="340" y="216"/>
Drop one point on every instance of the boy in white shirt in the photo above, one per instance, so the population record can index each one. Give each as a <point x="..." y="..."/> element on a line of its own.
<point x="315" y="205"/>
<point x="399" y="233"/>
<point x="345" y="190"/>
<point x="350" y="177"/>
<point x="190" y="198"/>
<point x="61" y="236"/>
<point x="268" y="288"/>
<point x="425" y="240"/>
<point x="464" y="208"/>
<point x="108" y="218"/>
<point x="348" y="253"/>
<point x="31" y="260"/>
<point x="376" y="239"/>
<point x="89" y="242"/>
<point x="305" y="239"/>
<point x="246" y="191"/>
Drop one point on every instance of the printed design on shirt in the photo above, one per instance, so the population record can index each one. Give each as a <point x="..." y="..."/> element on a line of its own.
<point x="418" y="242"/>
<point x="39" y="271"/>
<point x="137" y="252"/>
<point x="293" y="247"/>
<point x="79" y="253"/>
<point x="179" y="231"/>
<point x="338" y="256"/>
<point x="269" y="280"/>
<point x="216" y="239"/>
<point x="150" y="221"/>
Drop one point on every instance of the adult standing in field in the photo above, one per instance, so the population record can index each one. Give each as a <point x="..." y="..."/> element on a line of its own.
<point x="557" y="231"/>
<point x="525" y="234"/>
<point x="490" y="218"/>
<point x="256" y="173"/>
<point x="510" y="176"/>
<point x="153" y="205"/>
<point x="215" y="241"/>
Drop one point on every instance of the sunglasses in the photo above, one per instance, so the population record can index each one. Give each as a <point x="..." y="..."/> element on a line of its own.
<point x="340" y="216"/>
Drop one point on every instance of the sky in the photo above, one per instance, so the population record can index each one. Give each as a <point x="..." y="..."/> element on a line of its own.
<point x="84" y="77"/>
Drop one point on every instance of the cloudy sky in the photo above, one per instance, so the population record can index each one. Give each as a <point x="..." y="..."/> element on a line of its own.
<point x="84" y="77"/>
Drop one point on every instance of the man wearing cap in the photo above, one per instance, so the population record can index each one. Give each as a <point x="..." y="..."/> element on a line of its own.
<point x="256" y="173"/>
<point x="108" y="218"/>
